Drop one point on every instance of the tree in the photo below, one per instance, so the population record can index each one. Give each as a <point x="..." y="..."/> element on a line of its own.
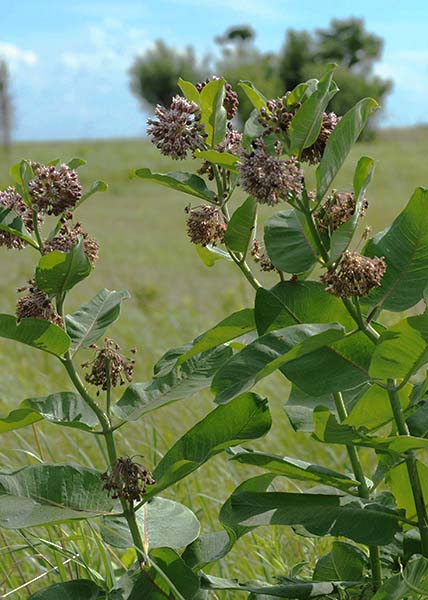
<point x="5" y="108"/>
<point x="297" y="54"/>
<point x="154" y="75"/>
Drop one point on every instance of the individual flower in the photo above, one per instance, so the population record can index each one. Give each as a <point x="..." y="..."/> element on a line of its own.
<point x="275" y="116"/>
<point x="338" y="208"/>
<point x="268" y="178"/>
<point x="54" y="189"/>
<point x="314" y="153"/>
<point x="67" y="237"/>
<point x="10" y="198"/>
<point x="355" y="275"/>
<point x="127" y="480"/>
<point x="260" y="256"/>
<point x="177" y="130"/>
<point x="205" y="225"/>
<point x="230" y="101"/>
<point x="38" y="305"/>
<point x="109" y="367"/>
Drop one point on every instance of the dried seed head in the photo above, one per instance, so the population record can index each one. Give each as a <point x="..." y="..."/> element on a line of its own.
<point x="314" y="153"/>
<point x="54" y="189"/>
<point x="38" y="305"/>
<point x="177" y="130"/>
<point x="276" y="117"/>
<point x="127" y="480"/>
<point x="269" y="179"/>
<point x="260" y="256"/>
<point x="205" y="225"/>
<point x="337" y="210"/>
<point x="230" y="101"/>
<point x="67" y="237"/>
<point x="109" y="367"/>
<point x="10" y="198"/>
<point x="355" y="275"/>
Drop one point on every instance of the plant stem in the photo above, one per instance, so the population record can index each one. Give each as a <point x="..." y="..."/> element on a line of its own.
<point x="412" y="469"/>
<point x="362" y="489"/>
<point x="242" y="264"/>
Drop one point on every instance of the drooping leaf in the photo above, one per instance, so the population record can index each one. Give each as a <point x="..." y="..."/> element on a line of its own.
<point x="210" y="254"/>
<point x="37" y="333"/>
<point x="192" y="376"/>
<point x="64" y="408"/>
<point x="404" y="245"/>
<point x="57" y="272"/>
<point x="42" y="494"/>
<point x="87" y="324"/>
<point x="240" y="227"/>
<point x="246" y="417"/>
<point x="222" y="159"/>
<point x="288" y="242"/>
<point x="161" y="523"/>
<point x="78" y="589"/>
<point x="11" y="222"/>
<point x="257" y="99"/>
<point x="268" y="353"/>
<point x="181" y="182"/>
<point x="341" y="141"/>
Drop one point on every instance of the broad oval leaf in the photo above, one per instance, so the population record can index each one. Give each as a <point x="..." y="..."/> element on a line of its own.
<point x="181" y="182"/>
<point x="210" y="254"/>
<point x="183" y="381"/>
<point x="97" y="186"/>
<point x="213" y="113"/>
<point x="412" y="583"/>
<point x="397" y="480"/>
<point x="162" y="523"/>
<point x="373" y="409"/>
<point x="288" y="242"/>
<point x="189" y="90"/>
<point x="43" y="494"/>
<point x="11" y="222"/>
<point x="208" y="548"/>
<point x="222" y="159"/>
<point x="78" y="589"/>
<point x="57" y="272"/>
<point x="246" y="417"/>
<point x="345" y="562"/>
<point x="341" y="141"/>
<point x="257" y="99"/>
<point x="87" y="324"/>
<point x="241" y="226"/>
<point x="37" y="333"/>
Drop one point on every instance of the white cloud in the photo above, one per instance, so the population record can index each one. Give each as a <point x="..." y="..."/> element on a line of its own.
<point x="15" y="55"/>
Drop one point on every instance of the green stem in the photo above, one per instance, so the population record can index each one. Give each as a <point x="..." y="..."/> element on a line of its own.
<point x="412" y="469"/>
<point x="362" y="489"/>
<point x="316" y="236"/>
<point x="242" y="264"/>
<point x="37" y="231"/>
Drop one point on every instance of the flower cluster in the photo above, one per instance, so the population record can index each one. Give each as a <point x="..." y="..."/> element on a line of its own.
<point x="10" y="198"/>
<point x="230" y="101"/>
<point x="261" y="256"/>
<point x="338" y="208"/>
<point x="205" y="225"/>
<point x="314" y="153"/>
<point x="355" y="275"/>
<point x="268" y="178"/>
<point x="54" y="189"/>
<point x="109" y="367"/>
<point x="177" y="130"/>
<point x="38" y="305"/>
<point x="127" y="480"/>
<point x="67" y="237"/>
<point x="276" y="116"/>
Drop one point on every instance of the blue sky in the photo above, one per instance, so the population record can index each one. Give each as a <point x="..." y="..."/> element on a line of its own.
<point x="69" y="60"/>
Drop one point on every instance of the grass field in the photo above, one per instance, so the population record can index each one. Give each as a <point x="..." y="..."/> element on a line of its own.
<point x="144" y="248"/>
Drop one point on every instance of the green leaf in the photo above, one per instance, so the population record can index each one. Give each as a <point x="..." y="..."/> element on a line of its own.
<point x="373" y="409"/>
<point x="340" y="142"/>
<point x="97" y="186"/>
<point x="341" y="366"/>
<point x="412" y="583"/>
<point x="189" y="90"/>
<point x="342" y="236"/>
<point x="183" y="381"/>
<point x="222" y="159"/>
<point x="306" y="123"/>
<point x="320" y="514"/>
<point x="63" y="408"/>
<point x="231" y="327"/>
<point x="268" y="353"/>
<point x="397" y="480"/>
<point x="12" y="223"/>
<point x="294" y="468"/>
<point x="37" y="333"/>
<point x="213" y="113"/>
<point x="57" y="272"/>
<point x="78" y="589"/>
<point x="75" y="163"/>
<point x="345" y="562"/>
<point x="181" y="182"/>
<point x="252" y="129"/>
<point x="44" y="494"/>
<point x="87" y="324"/>
<point x="257" y="99"/>
<point x="153" y="585"/>
<point x="301" y="92"/>
<point x="287" y="242"/>
<point x="241" y="226"/>
<point x="161" y="523"/>
<point x="210" y="254"/>
<point x="247" y="417"/>
<point x="206" y="549"/>
<point x="401" y="350"/>
<point x="405" y="247"/>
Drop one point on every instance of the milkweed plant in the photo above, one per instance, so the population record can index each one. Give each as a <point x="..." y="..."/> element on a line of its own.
<point x="322" y="321"/>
